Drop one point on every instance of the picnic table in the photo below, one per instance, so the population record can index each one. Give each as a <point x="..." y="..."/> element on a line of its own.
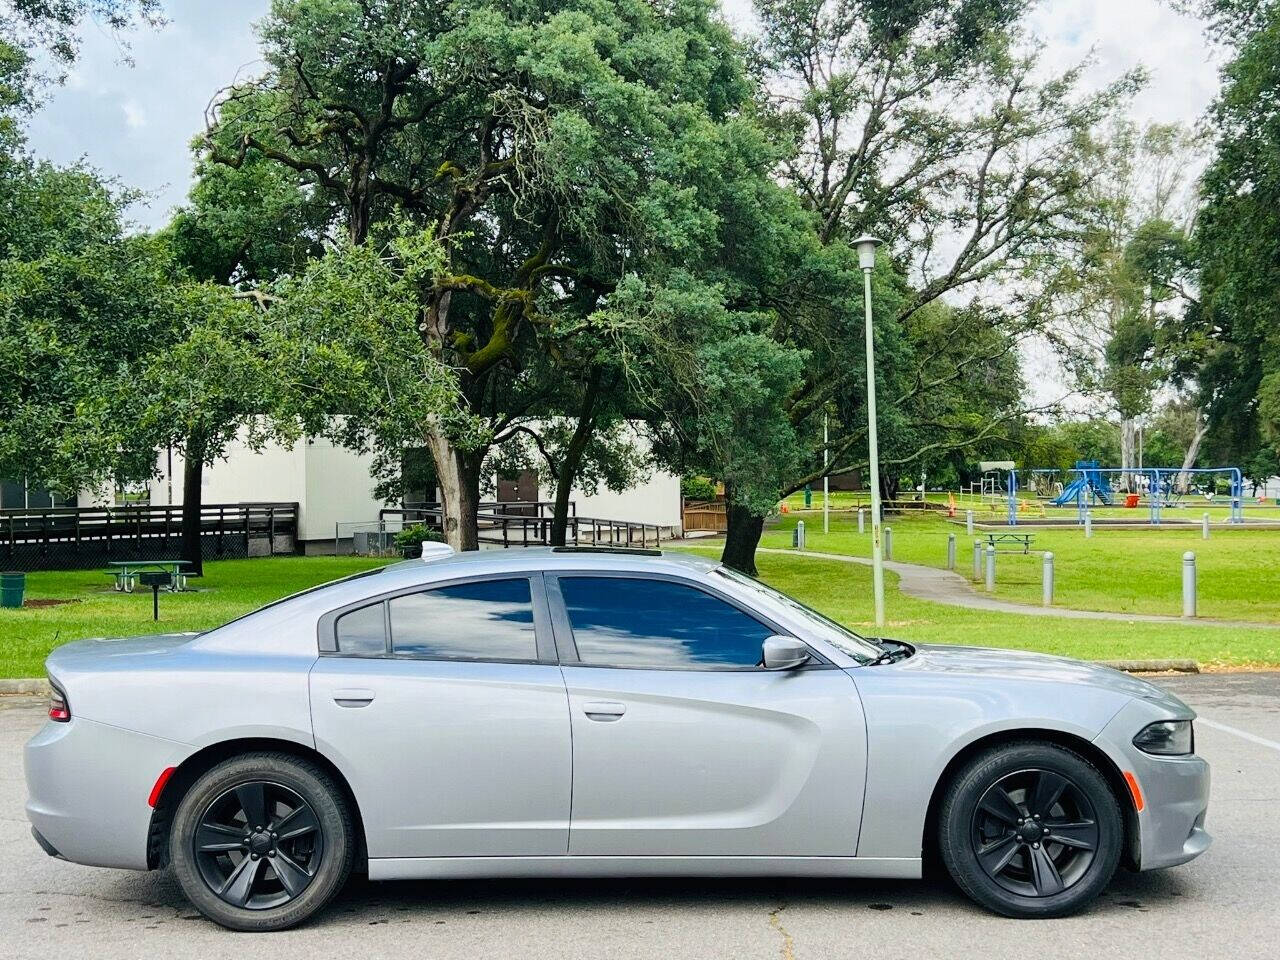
<point x="1023" y="539"/>
<point x="126" y="572"/>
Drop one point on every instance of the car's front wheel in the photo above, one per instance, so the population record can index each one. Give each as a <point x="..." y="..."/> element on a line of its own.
<point x="1031" y="830"/>
<point x="262" y="841"/>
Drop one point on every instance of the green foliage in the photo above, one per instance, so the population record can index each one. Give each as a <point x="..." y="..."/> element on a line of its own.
<point x="415" y="536"/>
<point x="547" y="154"/>
<point x="346" y="329"/>
<point x="80" y="305"/>
<point x="247" y="224"/>
<point x="1239" y="235"/>
<point x="697" y="488"/>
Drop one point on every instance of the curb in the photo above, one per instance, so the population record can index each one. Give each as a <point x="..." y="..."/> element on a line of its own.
<point x="1152" y="666"/>
<point x="32" y="686"/>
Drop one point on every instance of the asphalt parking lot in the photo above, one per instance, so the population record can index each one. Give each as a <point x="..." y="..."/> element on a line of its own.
<point x="1226" y="904"/>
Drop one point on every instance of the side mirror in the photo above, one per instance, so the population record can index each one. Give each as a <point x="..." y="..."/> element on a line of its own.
<point x="784" y="653"/>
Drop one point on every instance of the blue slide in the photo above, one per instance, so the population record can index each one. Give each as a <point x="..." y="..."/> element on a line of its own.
<point x="1071" y="492"/>
<point x="1089" y="479"/>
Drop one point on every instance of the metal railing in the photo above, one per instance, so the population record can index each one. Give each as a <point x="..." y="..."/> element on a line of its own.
<point x="68" y="538"/>
<point x="514" y="524"/>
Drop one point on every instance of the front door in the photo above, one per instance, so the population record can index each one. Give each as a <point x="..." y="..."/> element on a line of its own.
<point x="684" y="746"/>
<point x="445" y="710"/>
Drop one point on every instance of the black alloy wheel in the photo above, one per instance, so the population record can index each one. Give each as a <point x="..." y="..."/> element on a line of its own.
<point x="262" y="841"/>
<point x="1035" y="833"/>
<point x="1030" y="829"/>
<point x="258" y="845"/>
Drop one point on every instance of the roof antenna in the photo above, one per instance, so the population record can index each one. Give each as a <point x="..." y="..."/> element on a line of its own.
<point x="431" y="550"/>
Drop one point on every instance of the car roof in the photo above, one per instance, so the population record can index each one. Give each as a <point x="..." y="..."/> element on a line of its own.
<point x="530" y="559"/>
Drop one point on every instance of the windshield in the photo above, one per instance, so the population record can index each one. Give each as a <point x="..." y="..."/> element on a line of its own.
<point x="842" y="638"/>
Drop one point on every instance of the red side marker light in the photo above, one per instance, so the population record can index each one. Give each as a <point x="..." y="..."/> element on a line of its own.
<point x="159" y="787"/>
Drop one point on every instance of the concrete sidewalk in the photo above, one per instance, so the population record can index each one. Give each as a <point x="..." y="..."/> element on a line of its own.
<point x="950" y="588"/>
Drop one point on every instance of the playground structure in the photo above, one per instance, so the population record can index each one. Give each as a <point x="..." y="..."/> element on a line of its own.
<point x="1092" y="485"/>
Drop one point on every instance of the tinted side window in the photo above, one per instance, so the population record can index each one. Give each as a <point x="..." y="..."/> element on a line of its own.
<point x="490" y="620"/>
<point x="363" y="632"/>
<point x="629" y="622"/>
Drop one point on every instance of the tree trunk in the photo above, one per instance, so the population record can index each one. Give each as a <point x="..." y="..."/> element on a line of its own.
<point x="1193" y="451"/>
<point x="1128" y="452"/>
<point x="458" y="473"/>
<point x="742" y="538"/>
<point x="192" y="474"/>
<point x="572" y="459"/>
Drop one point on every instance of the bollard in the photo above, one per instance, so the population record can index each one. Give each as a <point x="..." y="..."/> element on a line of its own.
<point x="1188" y="584"/>
<point x="1088" y="524"/>
<point x="991" y="568"/>
<point x="1048" y="579"/>
<point x="797" y="539"/>
<point x="888" y="543"/>
<point x="861" y="521"/>
<point x="951" y="551"/>
<point x="977" y="560"/>
<point x="968" y="522"/>
<point x="1204" y="526"/>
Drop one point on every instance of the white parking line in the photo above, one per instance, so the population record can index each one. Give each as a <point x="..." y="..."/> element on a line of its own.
<point x="1242" y="734"/>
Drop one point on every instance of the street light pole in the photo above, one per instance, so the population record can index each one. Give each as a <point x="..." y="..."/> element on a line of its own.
<point x="826" y="488"/>
<point x="866" y="247"/>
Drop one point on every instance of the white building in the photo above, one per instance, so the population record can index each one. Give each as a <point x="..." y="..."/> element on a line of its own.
<point x="333" y="487"/>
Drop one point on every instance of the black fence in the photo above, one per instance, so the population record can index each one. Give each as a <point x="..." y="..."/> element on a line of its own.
<point x="528" y="524"/>
<point x="73" y="538"/>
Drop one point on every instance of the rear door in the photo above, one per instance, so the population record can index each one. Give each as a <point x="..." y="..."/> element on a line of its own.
<point x="447" y="712"/>
<point x="683" y="745"/>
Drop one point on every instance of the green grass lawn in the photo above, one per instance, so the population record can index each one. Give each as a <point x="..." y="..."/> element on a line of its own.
<point x="989" y="510"/>
<point x="1128" y="570"/>
<point x="228" y="589"/>
<point x="841" y="590"/>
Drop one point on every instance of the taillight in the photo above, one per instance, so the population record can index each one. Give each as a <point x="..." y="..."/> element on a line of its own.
<point x="59" y="709"/>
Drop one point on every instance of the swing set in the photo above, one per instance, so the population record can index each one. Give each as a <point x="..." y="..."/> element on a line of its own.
<point x="1092" y="485"/>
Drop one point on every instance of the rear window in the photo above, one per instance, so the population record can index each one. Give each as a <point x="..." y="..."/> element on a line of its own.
<point x="488" y="620"/>
<point x="363" y="632"/>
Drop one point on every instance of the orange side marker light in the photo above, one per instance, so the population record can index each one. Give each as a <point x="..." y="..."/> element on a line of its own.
<point x="1135" y="790"/>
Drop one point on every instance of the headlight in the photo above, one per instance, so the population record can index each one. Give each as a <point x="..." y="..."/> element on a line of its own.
<point x="1168" y="738"/>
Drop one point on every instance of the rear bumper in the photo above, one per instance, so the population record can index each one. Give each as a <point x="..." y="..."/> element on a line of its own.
<point x="1175" y="793"/>
<point x="45" y="845"/>
<point x="87" y="790"/>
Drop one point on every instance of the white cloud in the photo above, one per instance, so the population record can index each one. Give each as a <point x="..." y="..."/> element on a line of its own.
<point x="134" y="116"/>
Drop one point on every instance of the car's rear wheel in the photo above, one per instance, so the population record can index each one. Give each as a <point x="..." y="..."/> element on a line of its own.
<point x="1031" y="830"/>
<point x="262" y="841"/>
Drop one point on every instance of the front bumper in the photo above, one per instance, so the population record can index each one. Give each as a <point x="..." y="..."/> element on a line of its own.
<point x="87" y="790"/>
<point x="1175" y="793"/>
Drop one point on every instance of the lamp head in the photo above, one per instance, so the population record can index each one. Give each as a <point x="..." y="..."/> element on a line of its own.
<point x="866" y="247"/>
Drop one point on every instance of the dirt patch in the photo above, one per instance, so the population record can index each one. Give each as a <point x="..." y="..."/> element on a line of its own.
<point x="46" y="602"/>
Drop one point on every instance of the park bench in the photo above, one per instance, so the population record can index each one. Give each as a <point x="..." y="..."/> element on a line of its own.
<point x="126" y="572"/>
<point x="1023" y="540"/>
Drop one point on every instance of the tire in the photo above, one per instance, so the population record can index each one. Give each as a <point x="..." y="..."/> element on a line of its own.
<point x="1047" y="852"/>
<point x="270" y="879"/>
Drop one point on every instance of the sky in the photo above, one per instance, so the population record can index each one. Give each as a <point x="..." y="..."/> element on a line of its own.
<point x="135" y="122"/>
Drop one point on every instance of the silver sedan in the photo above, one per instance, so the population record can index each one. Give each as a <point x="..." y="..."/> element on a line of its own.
<point x="574" y="712"/>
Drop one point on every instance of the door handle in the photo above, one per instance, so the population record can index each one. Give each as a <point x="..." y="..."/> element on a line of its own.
<point x="353" y="698"/>
<point x="604" y="711"/>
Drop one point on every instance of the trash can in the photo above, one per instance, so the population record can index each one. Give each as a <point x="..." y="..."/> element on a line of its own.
<point x="1131" y="500"/>
<point x="12" y="586"/>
